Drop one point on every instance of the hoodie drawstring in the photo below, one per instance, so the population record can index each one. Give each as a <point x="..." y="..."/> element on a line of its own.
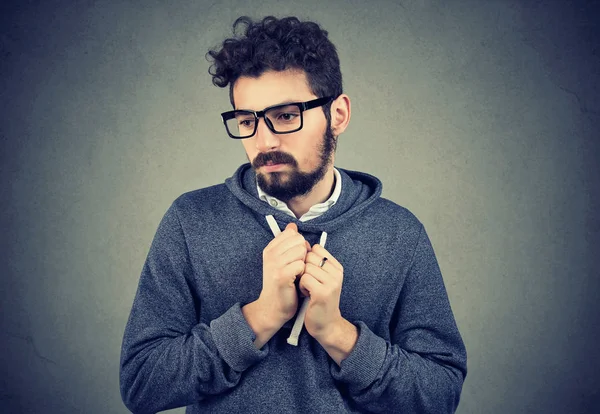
<point x="299" y="322"/>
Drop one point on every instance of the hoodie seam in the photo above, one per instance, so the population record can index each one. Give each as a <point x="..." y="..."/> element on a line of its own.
<point x="414" y="253"/>
<point x="185" y="242"/>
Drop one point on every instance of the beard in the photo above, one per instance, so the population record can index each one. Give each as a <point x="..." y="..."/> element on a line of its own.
<point x="298" y="183"/>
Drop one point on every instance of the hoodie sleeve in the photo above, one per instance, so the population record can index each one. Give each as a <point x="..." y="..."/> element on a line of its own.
<point x="168" y="359"/>
<point x="423" y="368"/>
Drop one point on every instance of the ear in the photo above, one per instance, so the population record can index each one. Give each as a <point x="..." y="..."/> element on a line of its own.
<point x="340" y="114"/>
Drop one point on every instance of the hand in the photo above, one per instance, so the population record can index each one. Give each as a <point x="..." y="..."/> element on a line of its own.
<point x="283" y="262"/>
<point x="324" y="286"/>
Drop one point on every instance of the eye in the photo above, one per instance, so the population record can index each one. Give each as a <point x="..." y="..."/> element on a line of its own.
<point x="284" y="114"/>
<point x="286" y="117"/>
<point x="246" y="122"/>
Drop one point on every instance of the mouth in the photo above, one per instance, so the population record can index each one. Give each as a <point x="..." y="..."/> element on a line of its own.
<point x="273" y="167"/>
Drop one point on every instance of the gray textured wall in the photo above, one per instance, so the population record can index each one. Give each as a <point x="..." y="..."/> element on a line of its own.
<point x="480" y="117"/>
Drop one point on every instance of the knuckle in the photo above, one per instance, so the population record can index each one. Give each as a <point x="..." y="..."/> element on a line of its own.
<point x="300" y="248"/>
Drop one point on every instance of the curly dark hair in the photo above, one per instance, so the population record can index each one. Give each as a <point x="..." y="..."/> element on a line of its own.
<point x="278" y="44"/>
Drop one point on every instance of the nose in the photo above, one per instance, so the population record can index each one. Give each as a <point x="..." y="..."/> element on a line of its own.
<point x="266" y="140"/>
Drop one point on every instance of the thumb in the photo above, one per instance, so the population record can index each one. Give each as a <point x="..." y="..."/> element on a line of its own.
<point x="292" y="226"/>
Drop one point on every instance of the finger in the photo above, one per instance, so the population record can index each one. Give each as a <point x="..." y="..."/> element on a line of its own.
<point x="297" y="252"/>
<point x="309" y="284"/>
<point x="290" y="230"/>
<point x="307" y="245"/>
<point x="316" y="260"/>
<point x="292" y="270"/>
<point x="321" y="252"/>
<point x="284" y="235"/>
<point x="318" y="273"/>
<point x="303" y="291"/>
<point x="292" y="242"/>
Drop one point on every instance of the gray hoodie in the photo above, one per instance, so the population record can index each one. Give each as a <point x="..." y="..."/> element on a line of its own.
<point x="187" y="343"/>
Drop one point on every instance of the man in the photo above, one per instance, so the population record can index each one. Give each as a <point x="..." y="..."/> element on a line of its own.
<point x="234" y="315"/>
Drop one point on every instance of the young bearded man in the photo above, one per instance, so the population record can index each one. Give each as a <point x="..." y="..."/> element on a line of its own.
<point x="293" y="287"/>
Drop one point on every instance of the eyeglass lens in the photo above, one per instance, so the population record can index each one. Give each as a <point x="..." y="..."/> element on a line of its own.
<point x="285" y="118"/>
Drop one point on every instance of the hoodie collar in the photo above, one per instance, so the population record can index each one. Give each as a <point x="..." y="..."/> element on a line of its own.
<point x="359" y="191"/>
<point x="315" y="211"/>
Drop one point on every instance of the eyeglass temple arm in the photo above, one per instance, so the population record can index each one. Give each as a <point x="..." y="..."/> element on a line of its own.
<point x="317" y="102"/>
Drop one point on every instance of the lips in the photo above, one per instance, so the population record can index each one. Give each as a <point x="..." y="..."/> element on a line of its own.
<point x="271" y="167"/>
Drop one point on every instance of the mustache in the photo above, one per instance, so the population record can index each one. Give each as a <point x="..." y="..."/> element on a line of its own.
<point x="275" y="157"/>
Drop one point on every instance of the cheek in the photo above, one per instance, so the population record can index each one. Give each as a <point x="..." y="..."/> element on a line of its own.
<point x="308" y="157"/>
<point x="250" y="148"/>
<point x="312" y="151"/>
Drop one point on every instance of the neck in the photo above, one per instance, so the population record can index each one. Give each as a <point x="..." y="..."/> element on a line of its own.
<point x="320" y="192"/>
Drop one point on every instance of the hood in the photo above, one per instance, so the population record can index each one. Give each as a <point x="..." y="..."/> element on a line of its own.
<point x="359" y="191"/>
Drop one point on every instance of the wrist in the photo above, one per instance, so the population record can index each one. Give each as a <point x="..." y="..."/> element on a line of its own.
<point x="339" y="340"/>
<point x="261" y="321"/>
<point x="274" y="316"/>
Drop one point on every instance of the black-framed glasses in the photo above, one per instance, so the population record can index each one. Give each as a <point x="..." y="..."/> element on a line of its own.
<point x="280" y="119"/>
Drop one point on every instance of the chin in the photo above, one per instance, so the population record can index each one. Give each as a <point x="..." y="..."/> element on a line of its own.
<point x="279" y="176"/>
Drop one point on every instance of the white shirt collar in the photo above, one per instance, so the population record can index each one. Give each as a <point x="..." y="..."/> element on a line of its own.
<point x="316" y="210"/>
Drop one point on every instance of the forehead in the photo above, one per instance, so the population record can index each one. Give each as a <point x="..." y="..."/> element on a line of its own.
<point x="271" y="88"/>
